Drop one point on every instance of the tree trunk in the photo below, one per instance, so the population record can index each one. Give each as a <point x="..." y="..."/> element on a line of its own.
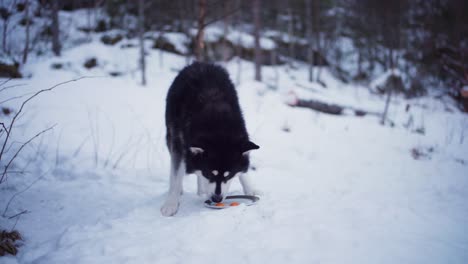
<point x="56" y="46"/>
<point x="258" y="51"/>
<point x="316" y="32"/>
<point x="141" y="31"/>
<point x="183" y="11"/>
<point x="291" y="35"/>
<point x="4" y="38"/>
<point x="321" y="53"/>
<point x="359" y="62"/>
<point x="387" y="104"/>
<point x="26" y="42"/>
<point x="310" y="48"/>
<point x="226" y="29"/>
<point x="239" y="45"/>
<point x="389" y="90"/>
<point x="199" y="41"/>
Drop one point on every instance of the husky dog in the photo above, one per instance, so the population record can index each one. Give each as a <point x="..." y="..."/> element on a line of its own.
<point x="206" y="134"/>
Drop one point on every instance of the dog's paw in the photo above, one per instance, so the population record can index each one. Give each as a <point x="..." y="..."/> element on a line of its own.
<point x="170" y="208"/>
<point x="255" y="192"/>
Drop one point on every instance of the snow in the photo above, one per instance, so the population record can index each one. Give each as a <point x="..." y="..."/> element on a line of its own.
<point x="248" y="41"/>
<point x="179" y="40"/>
<point x="337" y="189"/>
<point x="380" y="80"/>
<point x="216" y="32"/>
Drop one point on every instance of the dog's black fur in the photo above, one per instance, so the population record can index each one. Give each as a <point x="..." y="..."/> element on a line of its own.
<point x="202" y="111"/>
<point x="206" y="134"/>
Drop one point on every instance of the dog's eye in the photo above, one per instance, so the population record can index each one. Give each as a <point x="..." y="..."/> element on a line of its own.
<point x="226" y="174"/>
<point x="215" y="172"/>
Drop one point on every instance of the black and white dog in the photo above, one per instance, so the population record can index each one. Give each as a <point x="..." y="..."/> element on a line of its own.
<point x="206" y="134"/>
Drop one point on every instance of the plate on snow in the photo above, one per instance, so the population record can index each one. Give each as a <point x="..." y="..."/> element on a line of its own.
<point x="233" y="200"/>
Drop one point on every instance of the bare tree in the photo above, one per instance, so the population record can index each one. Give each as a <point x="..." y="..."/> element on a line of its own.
<point x="226" y="29"/>
<point x="290" y="34"/>
<point x="391" y="22"/>
<point x="141" y="32"/>
<point x="199" y="41"/>
<point x="238" y="48"/>
<point x="5" y="15"/>
<point x="56" y="46"/>
<point x="310" y="48"/>
<point x="257" y="51"/>
<point x="26" y="42"/>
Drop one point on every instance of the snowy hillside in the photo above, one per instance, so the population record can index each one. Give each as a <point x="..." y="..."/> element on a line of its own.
<point x="336" y="189"/>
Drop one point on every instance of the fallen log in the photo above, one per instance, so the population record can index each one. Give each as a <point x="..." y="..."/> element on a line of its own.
<point x="328" y="108"/>
<point x="332" y="109"/>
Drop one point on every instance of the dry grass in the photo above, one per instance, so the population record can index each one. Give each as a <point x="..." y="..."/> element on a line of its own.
<point x="8" y="242"/>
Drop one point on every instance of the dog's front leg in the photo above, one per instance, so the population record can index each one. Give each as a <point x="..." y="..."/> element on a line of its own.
<point x="201" y="188"/>
<point x="247" y="185"/>
<point x="171" y="205"/>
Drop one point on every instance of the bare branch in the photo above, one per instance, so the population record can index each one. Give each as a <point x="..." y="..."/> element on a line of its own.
<point x="4" y="174"/>
<point x="22" y="191"/>
<point x="11" y="99"/>
<point x="19" y="214"/>
<point x="15" y="117"/>
<point x="6" y="81"/>
<point x="4" y="128"/>
<point x="232" y="12"/>
<point x="11" y="86"/>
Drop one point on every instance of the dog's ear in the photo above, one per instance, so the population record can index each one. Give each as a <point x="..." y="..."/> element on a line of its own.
<point x="247" y="147"/>
<point x="196" y="150"/>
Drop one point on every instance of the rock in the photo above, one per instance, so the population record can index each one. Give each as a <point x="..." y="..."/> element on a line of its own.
<point x="128" y="46"/>
<point x="90" y="63"/>
<point x="6" y="111"/>
<point x="101" y="26"/>
<point x="56" y="66"/>
<point x="111" y="39"/>
<point x="164" y="44"/>
<point x="20" y="7"/>
<point x="393" y="82"/>
<point x="300" y="51"/>
<point x="268" y="57"/>
<point x="416" y="89"/>
<point x="115" y="73"/>
<point x="24" y="21"/>
<point x="10" y="70"/>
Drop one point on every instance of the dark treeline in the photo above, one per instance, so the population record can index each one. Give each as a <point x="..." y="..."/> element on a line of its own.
<point x="424" y="39"/>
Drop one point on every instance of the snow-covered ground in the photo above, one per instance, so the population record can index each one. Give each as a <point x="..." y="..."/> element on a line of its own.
<point x="337" y="189"/>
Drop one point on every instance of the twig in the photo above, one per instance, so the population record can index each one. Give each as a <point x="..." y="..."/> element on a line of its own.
<point x="11" y="99"/>
<point x="22" y="191"/>
<point x="15" y="117"/>
<point x="16" y="222"/>
<point x="3" y="178"/>
<point x="4" y="128"/>
<point x="221" y="17"/>
<point x="5" y="82"/>
<point x="12" y="86"/>
<point x="18" y="172"/>
<point x="57" y="149"/>
<point x="78" y="150"/>
<point x="18" y="214"/>
<point x="94" y="137"/>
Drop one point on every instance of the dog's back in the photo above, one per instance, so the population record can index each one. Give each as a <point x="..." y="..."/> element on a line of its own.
<point x="202" y="105"/>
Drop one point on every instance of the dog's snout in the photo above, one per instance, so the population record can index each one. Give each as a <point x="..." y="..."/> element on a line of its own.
<point x="216" y="198"/>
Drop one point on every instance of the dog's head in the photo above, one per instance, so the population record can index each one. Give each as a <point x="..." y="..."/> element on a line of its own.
<point x="219" y="164"/>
